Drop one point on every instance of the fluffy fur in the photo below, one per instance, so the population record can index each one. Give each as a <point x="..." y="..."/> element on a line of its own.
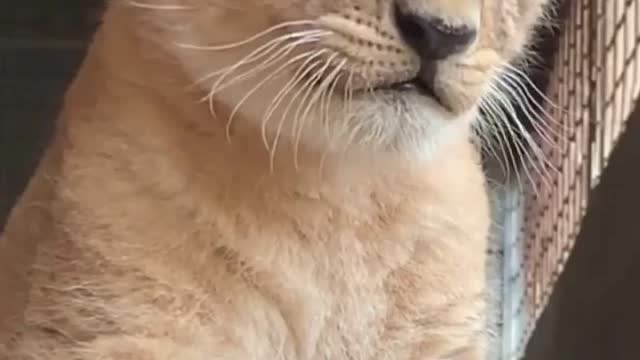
<point x="232" y="180"/>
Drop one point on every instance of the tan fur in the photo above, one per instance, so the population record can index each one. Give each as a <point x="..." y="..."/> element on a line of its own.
<point x="147" y="234"/>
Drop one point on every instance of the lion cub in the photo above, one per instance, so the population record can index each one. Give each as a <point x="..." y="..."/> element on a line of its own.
<point x="264" y="179"/>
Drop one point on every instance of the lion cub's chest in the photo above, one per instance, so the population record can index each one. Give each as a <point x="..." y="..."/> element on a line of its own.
<point x="356" y="297"/>
<point x="302" y="282"/>
<point x="321" y="287"/>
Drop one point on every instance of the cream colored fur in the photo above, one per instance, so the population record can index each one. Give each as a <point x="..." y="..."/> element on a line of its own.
<point x="157" y="228"/>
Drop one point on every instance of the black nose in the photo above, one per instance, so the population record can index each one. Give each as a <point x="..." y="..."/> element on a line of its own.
<point x="430" y="37"/>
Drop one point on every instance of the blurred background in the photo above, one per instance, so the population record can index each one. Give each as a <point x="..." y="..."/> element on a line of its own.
<point x="41" y="44"/>
<point x="568" y="249"/>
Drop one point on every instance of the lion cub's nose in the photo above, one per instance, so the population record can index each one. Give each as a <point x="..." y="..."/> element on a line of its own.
<point x="430" y="37"/>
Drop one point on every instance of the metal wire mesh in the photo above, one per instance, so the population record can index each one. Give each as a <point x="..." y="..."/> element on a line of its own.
<point x="593" y="88"/>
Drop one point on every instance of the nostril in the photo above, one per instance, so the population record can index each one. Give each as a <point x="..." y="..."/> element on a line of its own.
<point x="431" y="37"/>
<point x="410" y="27"/>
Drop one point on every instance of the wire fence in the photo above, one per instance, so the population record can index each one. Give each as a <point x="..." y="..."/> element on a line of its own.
<point x="592" y="91"/>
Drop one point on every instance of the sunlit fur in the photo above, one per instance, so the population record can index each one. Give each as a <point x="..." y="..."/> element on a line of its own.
<point x="230" y="180"/>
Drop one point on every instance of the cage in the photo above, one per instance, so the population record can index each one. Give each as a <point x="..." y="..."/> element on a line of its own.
<point x="589" y="98"/>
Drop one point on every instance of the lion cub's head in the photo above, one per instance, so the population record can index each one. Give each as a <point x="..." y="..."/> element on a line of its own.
<point x="391" y="75"/>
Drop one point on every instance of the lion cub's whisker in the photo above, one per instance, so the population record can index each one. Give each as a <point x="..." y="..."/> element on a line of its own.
<point x="304" y="75"/>
<point x="145" y="5"/>
<point x="246" y="41"/>
<point x="269" y="77"/>
<point x="326" y="83"/>
<point x="279" y="54"/>
<point x="258" y="53"/>
<point x="262" y="51"/>
<point x="300" y="74"/>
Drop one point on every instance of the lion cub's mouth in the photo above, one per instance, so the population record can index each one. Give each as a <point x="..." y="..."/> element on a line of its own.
<point x="415" y="86"/>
